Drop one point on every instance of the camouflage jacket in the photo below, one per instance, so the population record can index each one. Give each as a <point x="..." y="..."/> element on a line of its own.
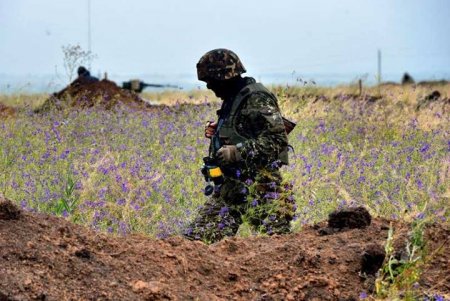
<point x="259" y="120"/>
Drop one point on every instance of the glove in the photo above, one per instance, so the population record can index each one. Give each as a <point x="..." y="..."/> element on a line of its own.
<point x="228" y="154"/>
<point x="210" y="129"/>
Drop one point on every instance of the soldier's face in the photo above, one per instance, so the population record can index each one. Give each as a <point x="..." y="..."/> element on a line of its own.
<point x="218" y="87"/>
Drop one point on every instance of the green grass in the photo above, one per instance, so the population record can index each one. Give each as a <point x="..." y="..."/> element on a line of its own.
<point x="129" y="171"/>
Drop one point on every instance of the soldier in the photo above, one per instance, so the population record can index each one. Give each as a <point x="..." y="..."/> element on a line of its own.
<point x="249" y="143"/>
<point x="84" y="76"/>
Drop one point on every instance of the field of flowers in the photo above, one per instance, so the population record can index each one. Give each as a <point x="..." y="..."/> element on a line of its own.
<point x="125" y="171"/>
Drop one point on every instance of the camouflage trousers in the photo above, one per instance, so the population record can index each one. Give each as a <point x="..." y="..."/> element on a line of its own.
<point x="264" y="203"/>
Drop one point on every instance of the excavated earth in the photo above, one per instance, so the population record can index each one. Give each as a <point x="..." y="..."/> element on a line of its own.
<point x="44" y="257"/>
<point x="6" y="111"/>
<point x="105" y="94"/>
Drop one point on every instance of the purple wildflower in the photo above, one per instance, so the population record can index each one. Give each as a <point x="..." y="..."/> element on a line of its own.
<point x="425" y="147"/>
<point x="419" y="184"/>
<point x="421" y="215"/>
<point x="223" y="211"/>
<point x="361" y="179"/>
<point x="125" y="188"/>
<point x="64" y="154"/>
<point x="248" y="182"/>
<point x="438" y="298"/>
<point x="244" y="190"/>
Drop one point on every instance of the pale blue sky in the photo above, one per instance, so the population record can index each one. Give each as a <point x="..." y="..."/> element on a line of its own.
<point x="168" y="37"/>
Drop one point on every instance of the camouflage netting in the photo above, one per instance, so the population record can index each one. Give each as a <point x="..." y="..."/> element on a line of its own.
<point x="105" y="94"/>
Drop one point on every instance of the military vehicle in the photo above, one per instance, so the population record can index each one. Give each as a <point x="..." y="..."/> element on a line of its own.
<point x="137" y="85"/>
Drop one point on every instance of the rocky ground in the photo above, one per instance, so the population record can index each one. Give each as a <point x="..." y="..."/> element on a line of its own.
<point x="44" y="257"/>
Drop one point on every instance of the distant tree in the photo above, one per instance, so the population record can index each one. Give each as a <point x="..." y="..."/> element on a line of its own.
<point x="75" y="56"/>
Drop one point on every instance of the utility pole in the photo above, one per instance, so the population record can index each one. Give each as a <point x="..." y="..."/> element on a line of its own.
<point x="379" y="67"/>
<point x="89" y="32"/>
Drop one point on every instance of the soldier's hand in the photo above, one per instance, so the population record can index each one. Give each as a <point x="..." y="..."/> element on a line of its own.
<point x="229" y="154"/>
<point x="210" y="129"/>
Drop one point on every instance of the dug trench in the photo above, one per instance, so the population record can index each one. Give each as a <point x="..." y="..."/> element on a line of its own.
<point x="44" y="257"/>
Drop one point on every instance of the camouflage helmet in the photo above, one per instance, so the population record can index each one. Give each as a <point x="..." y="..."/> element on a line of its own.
<point x="82" y="71"/>
<point x="219" y="64"/>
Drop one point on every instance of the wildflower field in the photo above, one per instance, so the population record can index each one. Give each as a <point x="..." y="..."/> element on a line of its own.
<point x="125" y="170"/>
<point x="136" y="170"/>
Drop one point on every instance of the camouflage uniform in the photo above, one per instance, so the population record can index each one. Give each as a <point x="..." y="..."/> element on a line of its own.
<point x="252" y="190"/>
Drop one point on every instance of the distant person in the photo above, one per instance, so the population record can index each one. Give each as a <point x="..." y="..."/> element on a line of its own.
<point x="84" y="76"/>
<point x="407" y="79"/>
<point x="249" y="144"/>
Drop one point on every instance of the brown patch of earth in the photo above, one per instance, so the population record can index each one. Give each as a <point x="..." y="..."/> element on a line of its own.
<point x="104" y="94"/>
<point x="433" y="97"/>
<point x="44" y="257"/>
<point x="6" y="111"/>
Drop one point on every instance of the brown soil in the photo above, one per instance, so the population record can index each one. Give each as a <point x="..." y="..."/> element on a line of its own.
<point x="6" y="111"/>
<point x="434" y="96"/>
<point x="47" y="258"/>
<point x="105" y="94"/>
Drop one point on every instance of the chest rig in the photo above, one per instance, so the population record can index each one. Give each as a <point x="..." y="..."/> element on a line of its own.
<point x="226" y="131"/>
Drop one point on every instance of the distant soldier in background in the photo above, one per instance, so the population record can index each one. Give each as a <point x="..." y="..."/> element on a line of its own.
<point x="84" y="76"/>
<point x="249" y="144"/>
<point x="407" y="79"/>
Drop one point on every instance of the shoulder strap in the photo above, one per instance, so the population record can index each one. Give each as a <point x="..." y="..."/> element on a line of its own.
<point x="246" y="91"/>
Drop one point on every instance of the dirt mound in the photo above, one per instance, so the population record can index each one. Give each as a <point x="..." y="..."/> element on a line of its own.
<point x="6" y="111"/>
<point x="434" y="96"/>
<point x="8" y="210"/>
<point x="349" y="218"/>
<point x="356" y="97"/>
<point x="105" y="94"/>
<point x="47" y="258"/>
<point x="441" y="82"/>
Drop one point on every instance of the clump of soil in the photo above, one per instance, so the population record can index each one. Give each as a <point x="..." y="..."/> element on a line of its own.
<point x="105" y="94"/>
<point x="347" y="218"/>
<point x="434" y="96"/>
<point x="372" y="259"/>
<point x="8" y="210"/>
<point x="6" y="111"/>
<point x="48" y="258"/>
<point x="351" y="218"/>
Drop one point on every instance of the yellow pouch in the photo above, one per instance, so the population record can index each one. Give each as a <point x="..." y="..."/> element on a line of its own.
<point x="215" y="172"/>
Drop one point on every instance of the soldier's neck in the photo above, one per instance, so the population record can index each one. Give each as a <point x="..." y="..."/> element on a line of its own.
<point x="234" y="86"/>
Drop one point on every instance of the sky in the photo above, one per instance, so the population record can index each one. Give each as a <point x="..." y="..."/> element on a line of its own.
<point x="167" y="38"/>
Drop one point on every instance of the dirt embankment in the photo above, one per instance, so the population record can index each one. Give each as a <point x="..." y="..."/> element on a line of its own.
<point x="47" y="258"/>
<point x="104" y="94"/>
